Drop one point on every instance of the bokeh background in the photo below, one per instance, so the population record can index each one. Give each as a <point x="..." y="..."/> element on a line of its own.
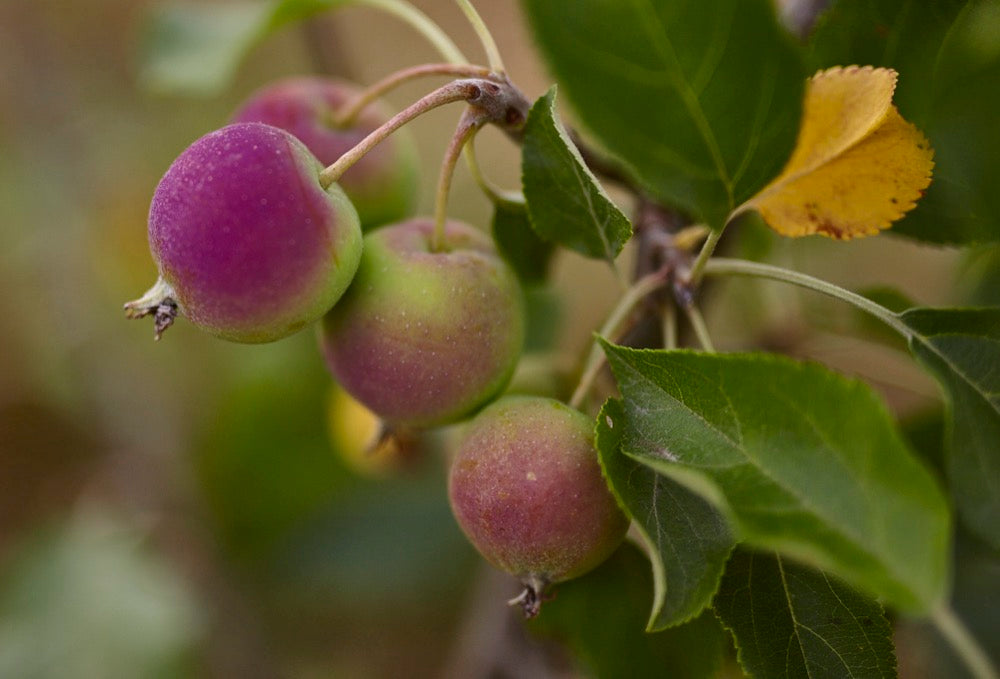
<point x="178" y="508"/>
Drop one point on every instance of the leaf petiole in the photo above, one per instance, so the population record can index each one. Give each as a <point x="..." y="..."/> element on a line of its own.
<point x="741" y="267"/>
<point x="422" y="24"/>
<point x="700" y="329"/>
<point x="612" y="326"/>
<point x="497" y="195"/>
<point x="483" y="32"/>
<point x="707" y="248"/>
<point x="963" y="643"/>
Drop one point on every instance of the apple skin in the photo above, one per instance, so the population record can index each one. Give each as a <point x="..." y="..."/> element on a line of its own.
<point x="250" y="243"/>
<point x="384" y="184"/>
<point x="424" y="338"/>
<point x="526" y="488"/>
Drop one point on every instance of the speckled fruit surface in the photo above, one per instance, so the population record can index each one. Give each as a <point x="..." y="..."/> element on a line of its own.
<point x="526" y="488"/>
<point x="383" y="185"/>
<point x="423" y="338"/>
<point x="253" y="247"/>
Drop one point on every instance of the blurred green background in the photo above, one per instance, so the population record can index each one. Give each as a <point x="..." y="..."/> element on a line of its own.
<point x="177" y="509"/>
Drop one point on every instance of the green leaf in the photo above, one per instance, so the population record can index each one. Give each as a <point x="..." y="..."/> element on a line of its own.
<point x="949" y="65"/>
<point x="518" y="243"/>
<point x="801" y="460"/>
<point x="600" y="618"/>
<point x="980" y="276"/>
<point x="195" y="48"/>
<point x="701" y="98"/>
<point x="961" y="347"/>
<point x="264" y="460"/>
<point x="906" y="35"/>
<point x="688" y="541"/>
<point x="566" y="203"/>
<point x="792" y="621"/>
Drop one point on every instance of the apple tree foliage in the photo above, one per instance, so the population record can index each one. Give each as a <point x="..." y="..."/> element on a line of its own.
<point x="782" y="509"/>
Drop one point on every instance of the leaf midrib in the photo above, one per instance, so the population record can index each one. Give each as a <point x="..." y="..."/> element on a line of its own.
<point x="664" y="47"/>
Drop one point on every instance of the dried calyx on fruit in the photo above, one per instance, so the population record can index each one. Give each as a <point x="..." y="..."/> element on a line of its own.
<point x="526" y="488"/>
<point x="425" y="337"/>
<point x="383" y="184"/>
<point x="248" y="244"/>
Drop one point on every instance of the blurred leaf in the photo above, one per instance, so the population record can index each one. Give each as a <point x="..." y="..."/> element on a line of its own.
<point x="792" y="621"/>
<point x="391" y="543"/>
<point x="949" y="63"/>
<point x="600" y="618"/>
<point x="195" y="48"/>
<point x="265" y="460"/>
<point x="857" y="165"/>
<point x="518" y="243"/>
<point x="980" y="278"/>
<point x="801" y="460"/>
<point x="701" y="99"/>
<point x="544" y="308"/>
<point x="925" y="432"/>
<point x="87" y="602"/>
<point x="922" y="651"/>
<point x="566" y="203"/>
<point x="961" y="347"/>
<point x="898" y="34"/>
<point x="688" y="541"/>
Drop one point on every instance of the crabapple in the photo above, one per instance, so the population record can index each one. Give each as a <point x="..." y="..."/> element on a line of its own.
<point x="248" y="244"/>
<point x="362" y="441"/>
<point x="383" y="184"/>
<point x="425" y="337"/>
<point x="526" y="488"/>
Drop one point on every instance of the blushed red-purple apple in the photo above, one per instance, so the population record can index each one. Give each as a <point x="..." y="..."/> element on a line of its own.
<point x="526" y="488"/>
<point x="425" y="337"/>
<point x="383" y="184"/>
<point x="248" y="244"/>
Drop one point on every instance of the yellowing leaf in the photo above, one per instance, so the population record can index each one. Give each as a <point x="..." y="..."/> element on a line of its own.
<point x="857" y="166"/>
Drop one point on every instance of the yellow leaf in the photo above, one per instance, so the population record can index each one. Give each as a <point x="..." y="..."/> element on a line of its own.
<point x="857" y="166"/>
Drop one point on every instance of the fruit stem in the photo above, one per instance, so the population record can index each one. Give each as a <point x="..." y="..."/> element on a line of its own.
<point x="457" y="90"/>
<point x="740" y="267"/>
<point x="348" y="113"/>
<point x="485" y="37"/>
<point x="470" y="122"/>
<point x="494" y="99"/>
<point x="159" y="301"/>
<point x="595" y="360"/>
<point x="421" y="23"/>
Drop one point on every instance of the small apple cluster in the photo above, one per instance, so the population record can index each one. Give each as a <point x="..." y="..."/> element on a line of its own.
<point x="422" y="322"/>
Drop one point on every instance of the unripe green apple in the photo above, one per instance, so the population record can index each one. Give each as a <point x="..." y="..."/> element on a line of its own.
<point x="526" y="488"/>
<point x="423" y="338"/>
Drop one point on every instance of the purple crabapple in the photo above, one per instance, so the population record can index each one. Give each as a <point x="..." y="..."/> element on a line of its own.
<point x="527" y="490"/>
<point x="383" y="184"/>
<point x="423" y="338"/>
<point x="249" y="246"/>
